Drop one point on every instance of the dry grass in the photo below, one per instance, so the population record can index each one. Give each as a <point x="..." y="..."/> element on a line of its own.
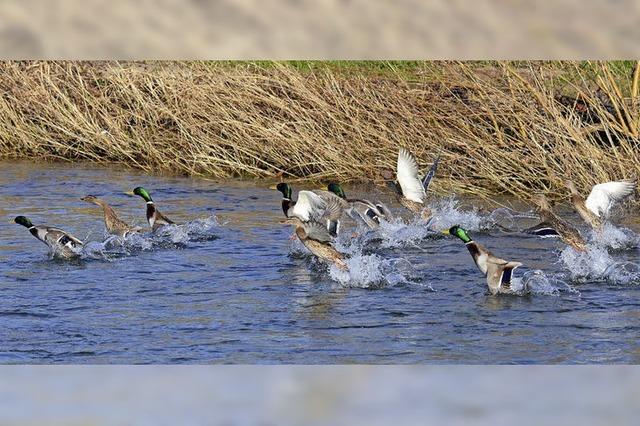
<point x="499" y="127"/>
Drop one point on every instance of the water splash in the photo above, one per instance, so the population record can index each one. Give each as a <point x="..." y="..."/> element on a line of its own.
<point x="615" y="238"/>
<point x="537" y="282"/>
<point x="447" y="212"/>
<point x="170" y="236"/>
<point x="398" y="233"/>
<point x="596" y="264"/>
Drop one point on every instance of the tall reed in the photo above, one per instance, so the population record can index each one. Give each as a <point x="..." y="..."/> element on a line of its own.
<point x="501" y="128"/>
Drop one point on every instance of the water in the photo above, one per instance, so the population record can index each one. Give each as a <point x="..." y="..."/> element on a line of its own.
<point x="229" y="286"/>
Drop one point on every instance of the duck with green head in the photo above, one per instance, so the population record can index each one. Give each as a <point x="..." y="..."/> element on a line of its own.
<point x="156" y="219"/>
<point x="320" y="206"/>
<point x="498" y="271"/>
<point x="61" y="243"/>
<point x="112" y="222"/>
<point x="362" y="210"/>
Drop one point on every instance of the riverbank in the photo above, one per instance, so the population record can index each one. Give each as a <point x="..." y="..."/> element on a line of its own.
<point x="501" y="128"/>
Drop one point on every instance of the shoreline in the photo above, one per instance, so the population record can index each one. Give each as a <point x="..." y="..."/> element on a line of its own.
<point x="502" y="128"/>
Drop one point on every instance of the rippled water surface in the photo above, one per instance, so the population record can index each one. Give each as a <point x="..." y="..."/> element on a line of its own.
<point x="228" y="285"/>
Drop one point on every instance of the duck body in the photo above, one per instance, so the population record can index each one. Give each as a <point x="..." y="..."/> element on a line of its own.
<point x="566" y="232"/>
<point x="498" y="272"/>
<point x="112" y="222"/>
<point x="410" y="190"/>
<point x="156" y="219"/>
<point x="318" y="240"/>
<point x="317" y="206"/>
<point x="61" y="243"/>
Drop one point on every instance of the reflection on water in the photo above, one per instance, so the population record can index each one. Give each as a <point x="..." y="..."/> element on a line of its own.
<point x="227" y="284"/>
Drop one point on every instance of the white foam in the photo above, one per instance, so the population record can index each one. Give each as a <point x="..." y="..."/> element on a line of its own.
<point x="447" y="212"/>
<point x="538" y="282"/>
<point x="596" y="264"/>
<point x="615" y="238"/>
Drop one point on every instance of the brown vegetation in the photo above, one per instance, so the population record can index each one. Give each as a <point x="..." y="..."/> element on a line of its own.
<point x="501" y="128"/>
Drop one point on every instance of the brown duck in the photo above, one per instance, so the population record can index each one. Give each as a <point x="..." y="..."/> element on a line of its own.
<point x="567" y="233"/>
<point x="112" y="222"/>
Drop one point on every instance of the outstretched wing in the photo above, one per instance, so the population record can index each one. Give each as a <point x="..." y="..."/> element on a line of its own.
<point x="334" y="208"/>
<point x="309" y="206"/>
<point x="318" y="232"/>
<point x="61" y="237"/>
<point x="603" y="196"/>
<point x="407" y="175"/>
<point x="430" y="174"/>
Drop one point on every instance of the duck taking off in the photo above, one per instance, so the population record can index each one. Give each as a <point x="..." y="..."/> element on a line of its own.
<point x="566" y="232"/>
<point x="318" y="206"/>
<point x="112" y="222"/>
<point x="595" y="210"/>
<point x="318" y="240"/>
<point x="410" y="190"/>
<point x="369" y="213"/>
<point x="498" y="271"/>
<point x="156" y="219"/>
<point x="61" y="243"/>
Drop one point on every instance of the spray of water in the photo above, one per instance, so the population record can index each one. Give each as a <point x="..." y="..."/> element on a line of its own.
<point x="171" y="236"/>
<point x="596" y="264"/>
<point x="447" y="212"/>
<point x="615" y="238"/>
<point x="537" y="282"/>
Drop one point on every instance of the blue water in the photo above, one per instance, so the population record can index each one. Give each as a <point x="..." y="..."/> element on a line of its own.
<point x="229" y="286"/>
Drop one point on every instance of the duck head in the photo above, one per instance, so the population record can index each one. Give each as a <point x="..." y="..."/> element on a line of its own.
<point x="21" y="220"/>
<point x="285" y="189"/>
<point x="336" y="189"/>
<point x="458" y="232"/>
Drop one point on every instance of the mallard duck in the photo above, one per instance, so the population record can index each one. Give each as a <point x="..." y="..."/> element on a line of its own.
<point x="154" y="217"/>
<point x="112" y="222"/>
<point x="366" y="211"/>
<point x="317" y="239"/>
<point x="498" y="271"/>
<point x="567" y="233"/>
<point x="596" y="208"/>
<point x="411" y="191"/>
<point x="61" y="243"/>
<point x="313" y="205"/>
<point x="543" y="229"/>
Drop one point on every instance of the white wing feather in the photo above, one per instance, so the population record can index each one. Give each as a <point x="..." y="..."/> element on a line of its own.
<point x="309" y="206"/>
<point x="603" y="196"/>
<point x="407" y="175"/>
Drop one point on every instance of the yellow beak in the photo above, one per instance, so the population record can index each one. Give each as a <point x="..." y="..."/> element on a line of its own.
<point x="446" y="232"/>
<point x="273" y="187"/>
<point x="129" y="193"/>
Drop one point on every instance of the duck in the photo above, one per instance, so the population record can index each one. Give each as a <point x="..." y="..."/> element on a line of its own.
<point x="543" y="230"/>
<point x="566" y="232"/>
<point x="156" y="219"/>
<point x="317" y="239"/>
<point x="316" y="205"/>
<point x="410" y="190"/>
<point x="112" y="222"/>
<point x="61" y="243"/>
<point x="369" y="213"/>
<point x="498" y="272"/>
<point x="595" y="210"/>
